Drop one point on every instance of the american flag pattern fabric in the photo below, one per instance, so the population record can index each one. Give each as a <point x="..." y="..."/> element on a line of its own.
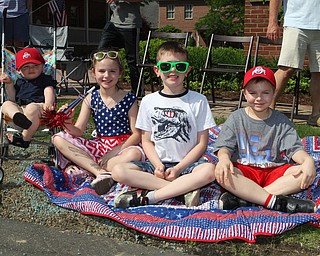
<point x="95" y="148"/>
<point x="170" y="219"/>
<point x="58" y="10"/>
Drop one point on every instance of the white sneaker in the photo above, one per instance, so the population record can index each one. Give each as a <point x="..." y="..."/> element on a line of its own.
<point x="102" y="183"/>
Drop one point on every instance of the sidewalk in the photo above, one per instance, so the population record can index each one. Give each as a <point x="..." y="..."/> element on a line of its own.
<point x="20" y="238"/>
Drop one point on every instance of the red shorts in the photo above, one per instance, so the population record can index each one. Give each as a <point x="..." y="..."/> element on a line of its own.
<point x="262" y="176"/>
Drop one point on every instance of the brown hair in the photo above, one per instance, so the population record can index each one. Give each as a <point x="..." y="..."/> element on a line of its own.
<point x="172" y="46"/>
<point x="117" y="59"/>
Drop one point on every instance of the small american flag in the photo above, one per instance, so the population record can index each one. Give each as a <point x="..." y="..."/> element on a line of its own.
<point x="58" y="10"/>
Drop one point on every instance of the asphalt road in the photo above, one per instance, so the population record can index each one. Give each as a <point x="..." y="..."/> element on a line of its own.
<point x="25" y="239"/>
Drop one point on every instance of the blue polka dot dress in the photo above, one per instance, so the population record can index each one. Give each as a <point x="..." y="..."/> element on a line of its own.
<point x="111" y="121"/>
<point x="112" y="126"/>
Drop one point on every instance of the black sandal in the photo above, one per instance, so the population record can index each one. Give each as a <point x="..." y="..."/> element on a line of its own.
<point x="21" y="120"/>
<point x="17" y="140"/>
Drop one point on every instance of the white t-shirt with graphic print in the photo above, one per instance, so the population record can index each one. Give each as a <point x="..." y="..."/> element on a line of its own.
<point x="174" y="121"/>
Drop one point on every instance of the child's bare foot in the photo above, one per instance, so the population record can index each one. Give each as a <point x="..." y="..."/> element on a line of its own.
<point x="17" y="140"/>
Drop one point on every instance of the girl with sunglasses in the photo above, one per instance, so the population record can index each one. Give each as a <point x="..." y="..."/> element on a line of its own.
<point x="174" y="124"/>
<point x="114" y="112"/>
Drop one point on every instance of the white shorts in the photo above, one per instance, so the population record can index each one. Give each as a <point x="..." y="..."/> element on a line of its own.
<point x="296" y="42"/>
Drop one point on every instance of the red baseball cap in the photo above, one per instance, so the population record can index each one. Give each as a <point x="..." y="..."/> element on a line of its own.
<point x="28" y="55"/>
<point x="259" y="71"/>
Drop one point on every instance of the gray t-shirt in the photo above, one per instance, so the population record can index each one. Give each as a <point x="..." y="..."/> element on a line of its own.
<point x="126" y="15"/>
<point x="261" y="143"/>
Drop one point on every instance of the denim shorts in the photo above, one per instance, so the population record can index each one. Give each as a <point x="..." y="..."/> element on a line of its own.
<point x="148" y="167"/>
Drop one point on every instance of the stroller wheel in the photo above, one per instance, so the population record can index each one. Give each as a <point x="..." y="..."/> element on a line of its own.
<point x="1" y="174"/>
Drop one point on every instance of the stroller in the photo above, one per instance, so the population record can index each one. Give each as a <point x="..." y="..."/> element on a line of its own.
<point x="43" y="135"/>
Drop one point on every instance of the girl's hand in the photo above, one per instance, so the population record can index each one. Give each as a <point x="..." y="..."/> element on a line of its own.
<point x="64" y="106"/>
<point x="104" y="160"/>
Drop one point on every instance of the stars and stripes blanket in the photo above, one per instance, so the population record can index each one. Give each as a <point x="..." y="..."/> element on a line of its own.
<point x="171" y="219"/>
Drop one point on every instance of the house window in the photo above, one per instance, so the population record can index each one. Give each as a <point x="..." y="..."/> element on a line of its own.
<point x="188" y="11"/>
<point x="170" y="11"/>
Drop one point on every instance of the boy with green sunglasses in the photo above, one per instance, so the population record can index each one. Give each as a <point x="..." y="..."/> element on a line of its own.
<point x="174" y="123"/>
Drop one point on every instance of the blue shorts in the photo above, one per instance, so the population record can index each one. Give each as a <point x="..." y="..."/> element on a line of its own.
<point x="148" y="167"/>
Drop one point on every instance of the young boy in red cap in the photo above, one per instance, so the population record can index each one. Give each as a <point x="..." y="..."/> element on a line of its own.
<point x="32" y="93"/>
<point x="261" y="157"/>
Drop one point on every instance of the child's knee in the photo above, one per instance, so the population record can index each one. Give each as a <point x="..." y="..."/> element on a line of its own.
<point x="132" y="154"/>
<point x="209" y="171"/>
<point x="118" y="172"/>
<point x="58" y="141"/>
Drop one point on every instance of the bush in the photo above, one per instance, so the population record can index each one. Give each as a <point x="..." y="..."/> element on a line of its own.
<point x="197" y="59"/>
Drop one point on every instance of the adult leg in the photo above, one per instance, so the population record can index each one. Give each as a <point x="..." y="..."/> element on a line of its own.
<point x="293" y="49"/>
<point x="315" y="94"/>
<point x="110" y="37"/>
<point x="130" y="44"/>
<point x="282" y="75"/>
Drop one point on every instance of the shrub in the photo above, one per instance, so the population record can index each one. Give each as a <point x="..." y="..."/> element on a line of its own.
<point x="197" y="58"/>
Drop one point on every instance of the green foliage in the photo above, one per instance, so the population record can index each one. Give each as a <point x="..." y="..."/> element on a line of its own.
<point x="197" y="58"/>
<point x="226" y="17"/>
<point x="306" y="130"/>
<point x="169" y="29"/>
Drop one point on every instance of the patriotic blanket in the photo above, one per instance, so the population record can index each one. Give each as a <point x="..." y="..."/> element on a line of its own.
<point x="172" y="220"/>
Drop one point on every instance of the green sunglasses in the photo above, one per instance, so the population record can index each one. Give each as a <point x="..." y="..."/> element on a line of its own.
<point x="179" y="66"/>
<point x="101" y="55"/>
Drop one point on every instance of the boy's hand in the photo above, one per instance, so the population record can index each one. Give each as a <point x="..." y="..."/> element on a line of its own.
<point x="48" y="107"/>
<point x="159" y="172"/>
<point x="308" y="170"/>
<point x="171" y="173"/>
<point x="5" y="78"/>
<point x="223" y="170"/>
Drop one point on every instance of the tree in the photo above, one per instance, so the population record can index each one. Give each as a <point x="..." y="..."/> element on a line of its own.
<point x="225" y="17"/>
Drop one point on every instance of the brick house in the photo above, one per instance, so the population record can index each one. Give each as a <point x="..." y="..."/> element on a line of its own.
<point x="182" y="15"/>
<point x="256" y="22"/>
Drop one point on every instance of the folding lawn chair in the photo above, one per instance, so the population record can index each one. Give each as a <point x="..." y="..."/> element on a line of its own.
<point x="70" y="67"/>
<point x="149" y="61"/>
<point x="43" y="134"/>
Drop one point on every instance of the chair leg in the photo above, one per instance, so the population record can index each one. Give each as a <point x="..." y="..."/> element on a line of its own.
<point x="240" y="99"/>
<point x="296" y="92"/>
<point x="212" y="91"/>
<point x="140" y="82"/>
